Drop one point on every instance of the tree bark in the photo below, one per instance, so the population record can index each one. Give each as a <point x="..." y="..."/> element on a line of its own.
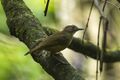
<point x="25" y="26"/>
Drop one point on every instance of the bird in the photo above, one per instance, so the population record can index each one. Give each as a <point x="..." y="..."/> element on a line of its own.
<point x="58" y="41"/>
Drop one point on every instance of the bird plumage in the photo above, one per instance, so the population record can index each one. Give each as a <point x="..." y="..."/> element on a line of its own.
<point x="58" y="41"/>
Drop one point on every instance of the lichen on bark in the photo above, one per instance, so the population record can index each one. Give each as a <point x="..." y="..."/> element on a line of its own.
<point x="25" y="26"/>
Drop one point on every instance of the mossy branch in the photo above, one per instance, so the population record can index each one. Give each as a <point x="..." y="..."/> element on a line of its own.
<point x="25" y="26"/>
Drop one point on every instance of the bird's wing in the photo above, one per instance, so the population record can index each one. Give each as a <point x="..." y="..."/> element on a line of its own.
<point x="53" y="40"/>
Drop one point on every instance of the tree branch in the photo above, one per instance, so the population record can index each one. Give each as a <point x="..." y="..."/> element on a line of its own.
<point x="24" y="25"/>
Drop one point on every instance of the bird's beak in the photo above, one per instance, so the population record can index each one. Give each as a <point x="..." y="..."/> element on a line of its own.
<point x="80" y="29"/>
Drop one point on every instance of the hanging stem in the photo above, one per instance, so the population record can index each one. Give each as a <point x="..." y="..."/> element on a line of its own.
<point x="104" y="40"/>
<point x="87" y="21"/>
<point x="98" y="54"/>
<point x="46" y="8"/>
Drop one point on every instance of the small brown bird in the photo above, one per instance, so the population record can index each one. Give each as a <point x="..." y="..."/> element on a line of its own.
<point x="58" y="41"/>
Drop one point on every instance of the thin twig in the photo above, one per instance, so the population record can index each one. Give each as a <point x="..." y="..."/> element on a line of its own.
<point x="87" y="21"/>
<point x="117" y="6"/>
<point x="104" y="42"/>
<point x="99" y="26"/>
<point x="101" y="55"/>
<point x="46" y="8"/>
<point x="98" y="38"/>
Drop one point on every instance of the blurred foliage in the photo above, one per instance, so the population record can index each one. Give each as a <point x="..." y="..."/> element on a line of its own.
<point x="38" y="7"/>
<point x="3" y="25"/>
<point x="14" y="65"/>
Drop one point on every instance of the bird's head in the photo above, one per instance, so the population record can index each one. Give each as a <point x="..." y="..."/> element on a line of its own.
<point x="72" y="29"/>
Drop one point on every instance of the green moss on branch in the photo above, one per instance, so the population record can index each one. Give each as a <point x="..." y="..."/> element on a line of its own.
<point x="25" y="26"/>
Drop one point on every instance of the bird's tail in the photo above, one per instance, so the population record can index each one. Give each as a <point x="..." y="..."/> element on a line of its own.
<point x="27" y="53"/>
